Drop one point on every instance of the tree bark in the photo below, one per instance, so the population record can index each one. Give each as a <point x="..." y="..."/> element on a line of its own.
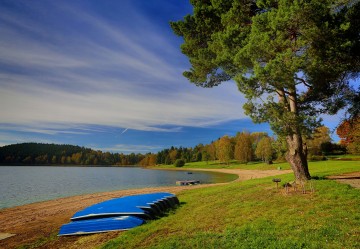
<point x="296" y="157"/>
<point x="297" y="150"/>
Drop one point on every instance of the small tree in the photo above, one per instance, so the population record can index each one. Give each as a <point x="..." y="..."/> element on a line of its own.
<point x="179" y="163"/>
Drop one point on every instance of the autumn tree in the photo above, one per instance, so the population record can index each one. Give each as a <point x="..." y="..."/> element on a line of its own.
<point x="211" y="149"/>
<point x="349" y="133"/>
<point x="291" y="59"/>
<point x="320" y="135"/>
<point x="173" y="155"/>
<point x="243" y="148"/>
<point x="148" y="160"/>
<point x="257" y="136"/>
<point x="264" y="150"/>
<point x="53" y="160"/>
<point x="224" y="149"/>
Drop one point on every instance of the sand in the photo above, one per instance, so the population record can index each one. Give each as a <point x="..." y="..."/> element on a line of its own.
<point x="29" y="223"/>
<point x="352" y="179"/>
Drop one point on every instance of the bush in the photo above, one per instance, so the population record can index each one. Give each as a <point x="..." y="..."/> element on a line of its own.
<point x="179" y="163"/>
<point x="317" y="158"/>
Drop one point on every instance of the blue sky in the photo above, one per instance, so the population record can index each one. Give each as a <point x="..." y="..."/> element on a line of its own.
<point x="107" y="75"/>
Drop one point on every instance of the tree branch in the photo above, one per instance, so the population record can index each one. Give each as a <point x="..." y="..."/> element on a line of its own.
<point x="303" y="81"/>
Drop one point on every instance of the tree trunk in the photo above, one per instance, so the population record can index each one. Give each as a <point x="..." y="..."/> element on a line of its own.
<point x="297" y="151"/>
<point x="296" y="157"/>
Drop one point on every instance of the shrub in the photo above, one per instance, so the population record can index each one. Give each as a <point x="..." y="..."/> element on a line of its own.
<point x="179" y="163"/>
<point x="317" y="158"/>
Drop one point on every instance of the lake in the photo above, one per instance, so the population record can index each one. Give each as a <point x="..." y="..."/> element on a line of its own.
<point x="21" y="185"/>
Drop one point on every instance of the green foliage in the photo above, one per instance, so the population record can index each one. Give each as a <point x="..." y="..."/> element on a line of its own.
<point x="317" y="158"/>
<point x="53" y="154"/>
<point x="270" y="48"/>
<point x="291" y="59"/>
<point x="320" y="135"/>
<point x="40" y="242"/>
<point x="264" y="150"/>
<point x="169" y="156"/>
<point x="329" y="148"/>
<point x="179" y="163"/>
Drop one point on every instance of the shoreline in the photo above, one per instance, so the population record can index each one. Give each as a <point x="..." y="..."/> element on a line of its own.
<point x="30" y="222"/>
<point x="4" y="205"/>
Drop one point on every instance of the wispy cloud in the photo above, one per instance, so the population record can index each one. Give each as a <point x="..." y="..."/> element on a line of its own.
<point x="54" y="76"/>
<point x="124" y="131"/>
<point x="10" y="138"/>
<point x="126" y="148"/>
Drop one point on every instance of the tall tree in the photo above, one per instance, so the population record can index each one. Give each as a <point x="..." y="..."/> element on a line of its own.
<point x="224" y="149"/>
<point x="211" y="149"/>
<point x="291" y="58"/>
<point x="243" y="148"/>
<point x="264" y="150"/>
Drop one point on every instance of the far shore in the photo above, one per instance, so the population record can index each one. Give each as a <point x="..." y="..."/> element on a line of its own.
<point x="31" y="222"/>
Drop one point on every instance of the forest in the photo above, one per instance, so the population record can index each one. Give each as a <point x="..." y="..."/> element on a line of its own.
<point x="53" y="154"/>
<point x="244" y="147"/>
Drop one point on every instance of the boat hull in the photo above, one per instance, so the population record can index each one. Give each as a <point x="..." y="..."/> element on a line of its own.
<point x="100" y="225"/>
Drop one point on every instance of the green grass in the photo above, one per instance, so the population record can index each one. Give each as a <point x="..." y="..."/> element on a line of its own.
<point x="254" y="214"/>
<point x="344" y="157"/>
<point x="39" y="242"/>
<point x="232" y="165"/>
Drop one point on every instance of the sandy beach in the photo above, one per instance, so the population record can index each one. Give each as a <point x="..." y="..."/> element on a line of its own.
<point x="29" y="223"/>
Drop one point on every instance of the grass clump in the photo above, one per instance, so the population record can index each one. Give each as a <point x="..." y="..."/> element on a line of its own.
<point x="254" y="214"/>
<point x="39" y="242"/>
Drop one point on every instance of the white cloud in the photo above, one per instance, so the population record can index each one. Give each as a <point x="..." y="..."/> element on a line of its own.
<point x="9" y="138"/>
<point x="137" y="111"/>
<point x="109" y="77"/>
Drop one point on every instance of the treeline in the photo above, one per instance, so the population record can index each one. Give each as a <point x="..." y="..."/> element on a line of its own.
<point x="53" y="154"/>
<point x="246" y="147"/>
<point x="243" y="147"/>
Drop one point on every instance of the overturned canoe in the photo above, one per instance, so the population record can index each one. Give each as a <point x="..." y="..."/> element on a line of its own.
<point x="146" y="206"/>
<point x="119" y="214"/>
<point x="100" y="225"/>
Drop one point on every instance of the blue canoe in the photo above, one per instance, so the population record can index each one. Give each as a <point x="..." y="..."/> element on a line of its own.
<point x="161" y="200"/>
<point x="146" y="206"/>
<point x="100" y="225"/>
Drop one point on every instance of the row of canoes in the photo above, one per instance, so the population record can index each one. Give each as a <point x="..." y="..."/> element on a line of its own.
<point x="121" y="213"/>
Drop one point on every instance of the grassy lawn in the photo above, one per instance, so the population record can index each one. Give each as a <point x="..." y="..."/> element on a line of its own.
<point x="254" y="214"/>
<point x="344" y="157"/>
<point x="231" y="165"/>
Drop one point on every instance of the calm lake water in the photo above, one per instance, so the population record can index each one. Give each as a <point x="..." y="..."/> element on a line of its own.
<point x="27" y="184"/>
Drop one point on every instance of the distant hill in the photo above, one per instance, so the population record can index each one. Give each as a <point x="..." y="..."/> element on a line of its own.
<point x="54" y="154"/>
